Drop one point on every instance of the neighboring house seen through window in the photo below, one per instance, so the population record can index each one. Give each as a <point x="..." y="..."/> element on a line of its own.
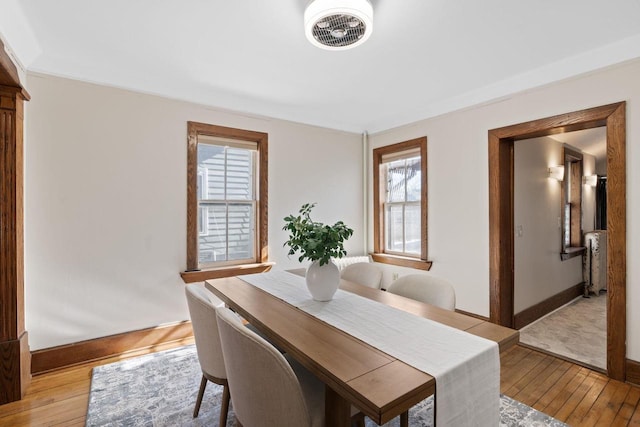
<point x="402" y="177"/>
<point x="400" y="204"/>
<point x="227" y="200"/>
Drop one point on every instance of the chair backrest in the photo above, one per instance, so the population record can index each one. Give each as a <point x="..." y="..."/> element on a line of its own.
<point x="364" y="273"/>
<point x="205" y="330"/>
<point x="264" y="388"/>
<point x="426" y="288"/>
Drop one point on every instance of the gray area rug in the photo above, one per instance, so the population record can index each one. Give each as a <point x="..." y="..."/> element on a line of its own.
<point x="577" y="331"/>
<point x="160" y="389"/>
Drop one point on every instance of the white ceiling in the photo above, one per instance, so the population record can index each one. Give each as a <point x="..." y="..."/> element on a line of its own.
<point x="425" y="57"/>
<point x="590" y="141"/>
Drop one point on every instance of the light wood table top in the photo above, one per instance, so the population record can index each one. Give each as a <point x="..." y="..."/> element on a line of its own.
<point x="381" y="386"/>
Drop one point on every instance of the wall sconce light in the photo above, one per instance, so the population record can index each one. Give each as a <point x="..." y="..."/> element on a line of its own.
<point x="556" y="172"/>
<point x="590" y="180"/>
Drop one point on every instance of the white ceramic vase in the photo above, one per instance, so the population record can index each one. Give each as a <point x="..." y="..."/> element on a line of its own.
<point x="323" y="281"/>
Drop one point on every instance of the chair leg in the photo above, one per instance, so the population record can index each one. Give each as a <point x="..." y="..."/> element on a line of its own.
<point x="404" y="419"/>
<point x="224" y="407"/>
<point x="203" y="385"/>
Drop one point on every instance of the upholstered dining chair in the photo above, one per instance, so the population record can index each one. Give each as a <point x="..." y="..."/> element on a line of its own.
<point x="268" y="389"/>
<point x="205" y="330"/>
<point x="364" y="273"/>
<point x="426" y="288"/>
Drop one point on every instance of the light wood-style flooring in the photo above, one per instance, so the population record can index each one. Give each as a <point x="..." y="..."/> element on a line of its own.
<point x="570" y="393"/>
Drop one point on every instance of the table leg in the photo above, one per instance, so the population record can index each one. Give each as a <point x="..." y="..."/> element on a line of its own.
<point x="404" y="419"/>
<point x="337" y="410"/>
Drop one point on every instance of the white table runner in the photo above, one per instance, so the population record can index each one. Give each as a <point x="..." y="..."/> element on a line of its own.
<point x="466" y="367"/>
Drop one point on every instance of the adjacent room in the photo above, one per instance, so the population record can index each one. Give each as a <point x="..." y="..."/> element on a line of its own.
<point x="560" y="289"/>
<point x="320" y="212"/>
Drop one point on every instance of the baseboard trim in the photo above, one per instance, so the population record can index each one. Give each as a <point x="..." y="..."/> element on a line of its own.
<point x="535" y="312"/>
<point x="477" y="316"/>
<point x="53" y="358"/>
<point x="633" y="372"/>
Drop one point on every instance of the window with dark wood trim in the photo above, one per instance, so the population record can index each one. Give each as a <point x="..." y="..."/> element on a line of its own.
<point x="226" y="202"/>
<point x="400" y="204"/>
<point x="572" y="205"/>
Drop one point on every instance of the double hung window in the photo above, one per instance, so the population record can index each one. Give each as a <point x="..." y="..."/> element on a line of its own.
<point x="400" y="204"/>
<point x="227" y="199"/>
<point x="572" y="244"/>
<point x="402" y="176"/>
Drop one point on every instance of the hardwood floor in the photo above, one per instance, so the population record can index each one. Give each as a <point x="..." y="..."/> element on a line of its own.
<point x="60" y="398"/>
<point x="570" y="393"/>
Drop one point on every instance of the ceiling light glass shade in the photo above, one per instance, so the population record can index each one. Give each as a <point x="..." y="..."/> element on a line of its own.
<point x="338" y="24"/>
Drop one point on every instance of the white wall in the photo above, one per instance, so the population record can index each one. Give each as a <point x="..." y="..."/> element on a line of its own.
<point x="12" y="21"/>
<point x="105" y="196"/>
<point x="539" y="272"/>
<point x="458" y="179"/>
<point x="105" y="203"/>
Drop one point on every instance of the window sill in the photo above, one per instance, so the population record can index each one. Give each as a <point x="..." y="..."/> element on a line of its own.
<point x="228" y="271"/>
<point x="401" y="261"/>
<point x="571" y="252"/>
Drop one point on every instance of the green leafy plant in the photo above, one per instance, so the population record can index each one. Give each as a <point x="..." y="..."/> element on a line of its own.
<point x="314" y="240"/>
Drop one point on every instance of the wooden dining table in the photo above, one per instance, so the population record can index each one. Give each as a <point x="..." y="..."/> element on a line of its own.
<point x="379" y="385"/>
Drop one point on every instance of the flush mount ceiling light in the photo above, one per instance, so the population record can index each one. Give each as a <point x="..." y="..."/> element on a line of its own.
<point x="338" y="24"/>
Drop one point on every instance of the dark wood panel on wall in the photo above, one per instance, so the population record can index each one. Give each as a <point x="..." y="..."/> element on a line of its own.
<point x="501" y="246"/>
<point x="8" y="249"/>
<point x="536" y="311"/>
<point x="14" y="346"/>
<point x="72" y="354"/>
<point x="616" y="242"/>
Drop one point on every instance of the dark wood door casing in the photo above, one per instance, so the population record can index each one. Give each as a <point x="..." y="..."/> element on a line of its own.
<point x="15" y="359"/>
<point x="501" y="221"/>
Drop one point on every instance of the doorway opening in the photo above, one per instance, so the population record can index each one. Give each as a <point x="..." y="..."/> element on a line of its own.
<point x="501" y="217"/>
<point x="559" y="252"/>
